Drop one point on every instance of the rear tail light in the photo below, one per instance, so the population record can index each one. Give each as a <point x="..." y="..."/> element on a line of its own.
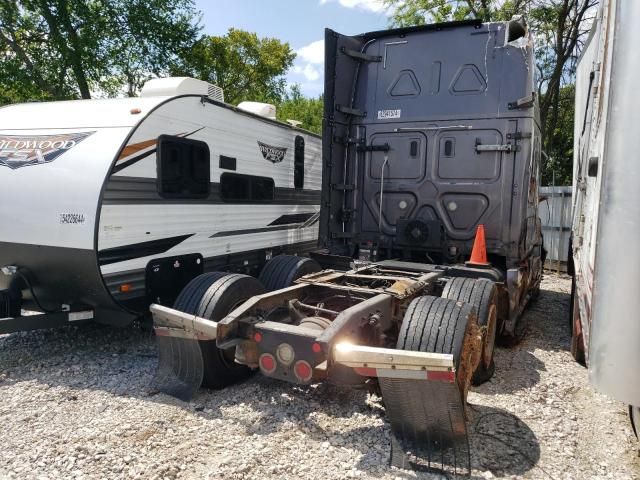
<point x="267" y="363"/>
<point x="303" y="371"/>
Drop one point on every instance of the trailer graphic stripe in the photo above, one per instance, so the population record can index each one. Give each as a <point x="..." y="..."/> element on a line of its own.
<point x="138" y="250"/>
<point x="121" y="190"/>
<point x="292" y="218"/>
<point x="135" y="152"/>
<point x="136" y="147"/>
<point x="270" y="228"/>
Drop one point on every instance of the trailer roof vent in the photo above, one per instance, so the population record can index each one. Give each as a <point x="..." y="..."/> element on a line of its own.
<point x="173" y="86"/>
<point x="263" y="109"/>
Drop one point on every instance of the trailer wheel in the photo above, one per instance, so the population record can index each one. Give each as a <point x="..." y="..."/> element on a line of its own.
<point x="213" y="295"/>
<point x="577" y="339"/>
<point x="283" y="270"/>
<point x="439" y="325"/>
<point x="482" y="294"/>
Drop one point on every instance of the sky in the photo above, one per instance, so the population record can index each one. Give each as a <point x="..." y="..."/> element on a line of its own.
<point x="301" y="23"/>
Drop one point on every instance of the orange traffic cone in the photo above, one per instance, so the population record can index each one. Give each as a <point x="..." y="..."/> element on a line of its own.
<point x="479" y="252"/>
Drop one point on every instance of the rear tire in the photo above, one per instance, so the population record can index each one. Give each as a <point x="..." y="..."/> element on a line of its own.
<point x="483" y="295"/>
<point x="634" y="416"/>
<point x="212" y="296"/>
<point x="281" y="271"/>
<point x="439" y="325"/>
<point x="577" y="338"/>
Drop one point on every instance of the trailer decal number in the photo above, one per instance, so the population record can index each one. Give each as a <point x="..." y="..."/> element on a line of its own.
<point x="72" y="218"/>
<point x="18" y="151"/>
<point x="389" y="114"/>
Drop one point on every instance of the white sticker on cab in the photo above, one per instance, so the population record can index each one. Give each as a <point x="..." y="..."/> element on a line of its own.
<point x="387" y="114"/>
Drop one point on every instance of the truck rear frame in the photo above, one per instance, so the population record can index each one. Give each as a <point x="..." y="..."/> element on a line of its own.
<point x="342" y="327"/>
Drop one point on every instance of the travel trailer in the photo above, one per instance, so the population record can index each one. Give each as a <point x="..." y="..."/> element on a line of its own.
<point x="109" y="205"/>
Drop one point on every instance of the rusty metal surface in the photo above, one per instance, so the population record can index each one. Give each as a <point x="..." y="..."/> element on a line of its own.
<point x="264" y="302"/>
<point x="377" y="310"/>
<point x="168" y="322"/>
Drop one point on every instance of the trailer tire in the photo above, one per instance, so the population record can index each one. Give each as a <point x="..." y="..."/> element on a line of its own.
<point x="281" y="271"/>
<point x="439" y="325"/>
<point x="483" y="295"/>
<point x="634" y="416"/>
<point x="213" y="295"/>
<point x="577" y="338"/>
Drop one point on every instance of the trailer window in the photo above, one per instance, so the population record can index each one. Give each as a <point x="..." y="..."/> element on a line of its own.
<point x="183" y="167"/>
<point x="235" y="187"/>
<point x="298" y="163"/>
<point x="228" y="163"/>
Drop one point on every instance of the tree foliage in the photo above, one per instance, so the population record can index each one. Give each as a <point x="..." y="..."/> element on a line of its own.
<point x="558" y="169"/>
<point x="58" y="49"/>
<point x="245" y="66"/>
<point x="418" y="12"/>
<point x="560" y="27"/>
<point x="297" y="107"/>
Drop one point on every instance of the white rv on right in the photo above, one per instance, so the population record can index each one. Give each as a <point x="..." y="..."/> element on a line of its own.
<point x="605" y="240"/>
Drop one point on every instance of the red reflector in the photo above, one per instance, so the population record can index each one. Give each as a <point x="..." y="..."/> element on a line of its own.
<point x="124" y="288"/>
<point x="303" y="371"/>
<point x="316" y="348"/>
<point x="441" y="376"/>
<point x="257" y="337"/>
<point x="267" y="363"/>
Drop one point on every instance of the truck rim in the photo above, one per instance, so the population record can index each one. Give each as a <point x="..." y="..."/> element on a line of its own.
<point x="490" y="336"/>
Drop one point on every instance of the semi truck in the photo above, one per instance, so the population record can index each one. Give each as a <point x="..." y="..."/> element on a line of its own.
<point x="430" y="242"/>
<point x="603" y="260"/>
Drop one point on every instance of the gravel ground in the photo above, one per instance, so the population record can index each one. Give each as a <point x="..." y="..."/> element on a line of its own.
<point x="77" y="403"/>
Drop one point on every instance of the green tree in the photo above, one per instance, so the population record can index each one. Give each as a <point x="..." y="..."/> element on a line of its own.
<point x="558" y="167"/>
<point x="297" y="107"/>
<point x="560" y="27"/>
<point x="417" y="12"/>
<point x="58" y="49"/>
<point x="245" y="66"/>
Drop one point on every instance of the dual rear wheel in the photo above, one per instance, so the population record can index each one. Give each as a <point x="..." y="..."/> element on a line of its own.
<point x="483" y="295"/>
<point x="438" y="325"/>
<point x="214" y="295"/>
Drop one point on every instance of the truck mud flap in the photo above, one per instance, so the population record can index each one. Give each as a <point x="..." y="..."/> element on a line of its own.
<point x="424" y="405"/>
<point x="428" y="428"/>
<point x="180" y="367"/>
<point x="180" y="364"/>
